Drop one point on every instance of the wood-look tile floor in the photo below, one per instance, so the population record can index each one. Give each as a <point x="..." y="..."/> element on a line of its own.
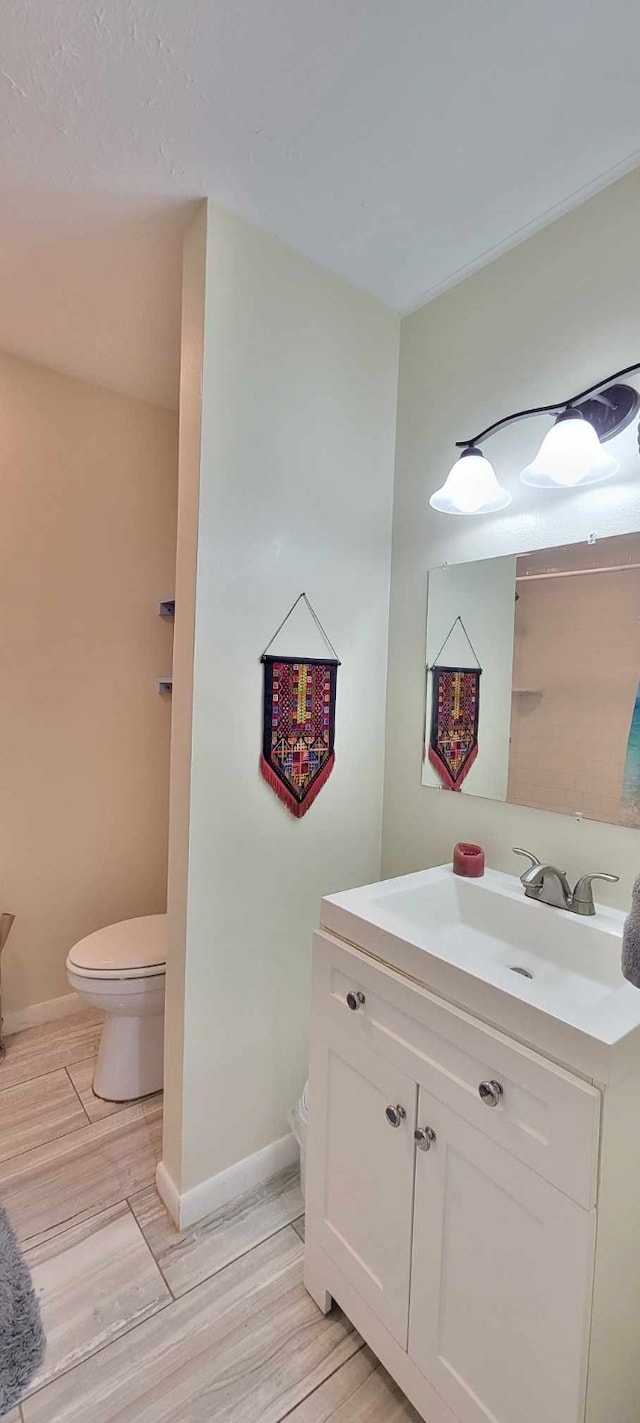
<point x="144" y="1322"/>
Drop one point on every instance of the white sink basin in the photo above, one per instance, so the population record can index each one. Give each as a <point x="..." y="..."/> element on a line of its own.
<point x="482" y="928"/>
<point x="467" y="939"/>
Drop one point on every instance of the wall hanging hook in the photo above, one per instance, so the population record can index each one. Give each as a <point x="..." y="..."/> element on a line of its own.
<point x="300" y="598"/>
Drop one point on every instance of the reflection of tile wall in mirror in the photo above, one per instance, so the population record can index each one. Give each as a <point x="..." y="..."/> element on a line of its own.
<point x="574" y="741"/>
<point x="577" y="655"/>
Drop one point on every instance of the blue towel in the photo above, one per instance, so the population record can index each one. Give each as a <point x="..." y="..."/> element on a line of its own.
<point x="631" y="939"/>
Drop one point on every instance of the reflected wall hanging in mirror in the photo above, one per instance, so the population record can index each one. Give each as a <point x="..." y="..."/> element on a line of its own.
<point x="455" y="713"/>
<point x="571" y="453"/>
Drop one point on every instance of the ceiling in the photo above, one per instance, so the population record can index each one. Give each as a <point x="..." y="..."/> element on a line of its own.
<point x="400" y="143"/>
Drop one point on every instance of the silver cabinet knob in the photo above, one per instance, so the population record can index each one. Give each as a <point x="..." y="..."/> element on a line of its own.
<point x="355" y="1001"/>
<point x="395" y="1115"/>
<point x="490" y="1093"/>
<point x="424" y="1138"/>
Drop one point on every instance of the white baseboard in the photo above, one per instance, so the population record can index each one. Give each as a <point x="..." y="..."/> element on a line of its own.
<point x="167" y="1192"/>
<point x="218" y="1190"/>
<point x="41" y="1013"/>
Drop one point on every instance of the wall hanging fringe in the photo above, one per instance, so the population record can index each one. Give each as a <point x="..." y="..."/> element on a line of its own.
<point x="299" y="712"/>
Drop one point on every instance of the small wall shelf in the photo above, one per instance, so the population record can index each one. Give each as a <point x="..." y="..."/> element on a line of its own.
<point x="166" y="610"/>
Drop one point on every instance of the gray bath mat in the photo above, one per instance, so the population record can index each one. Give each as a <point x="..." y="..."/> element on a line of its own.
<point x="22" y="1340"/>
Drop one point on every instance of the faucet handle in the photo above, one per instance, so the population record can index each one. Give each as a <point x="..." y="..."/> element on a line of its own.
<point x="583" y="893"/>
<point x="533" y="859"/>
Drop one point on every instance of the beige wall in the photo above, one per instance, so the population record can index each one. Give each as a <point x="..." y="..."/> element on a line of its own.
<point x="546" y="319"/>
<point x="577" y="651"/>
<point x="191" y="359"/>
<point x="87" y="547"/>
<point x="298" y="420"/>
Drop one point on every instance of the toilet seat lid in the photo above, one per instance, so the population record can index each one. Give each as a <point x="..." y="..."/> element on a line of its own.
<point x="134" y="944"/>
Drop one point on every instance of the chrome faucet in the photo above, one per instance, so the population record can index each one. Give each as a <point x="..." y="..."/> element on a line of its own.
<point x="549" y="885"/>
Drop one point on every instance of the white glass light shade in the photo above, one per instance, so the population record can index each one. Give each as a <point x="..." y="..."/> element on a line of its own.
<point x="570" y="454"/>
<point x="471" y="487"/>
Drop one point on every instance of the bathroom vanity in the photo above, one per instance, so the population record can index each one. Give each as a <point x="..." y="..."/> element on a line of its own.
<point x="473" y="1196"/>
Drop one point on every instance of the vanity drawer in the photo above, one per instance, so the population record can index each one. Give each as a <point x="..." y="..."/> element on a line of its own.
<point x="537" y="1111"/>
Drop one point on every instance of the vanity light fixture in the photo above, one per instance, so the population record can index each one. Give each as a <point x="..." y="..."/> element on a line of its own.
<point x="571" y="453"/>
<point x="471" y="487"/>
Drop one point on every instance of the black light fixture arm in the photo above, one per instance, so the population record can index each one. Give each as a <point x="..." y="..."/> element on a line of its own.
<point x="554" y="409"/>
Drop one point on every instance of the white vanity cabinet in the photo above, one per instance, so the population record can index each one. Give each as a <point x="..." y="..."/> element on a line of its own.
<point x="452" y="1203"/>
<point x="366" y="1221"/>
<point x="501" y="1280"/>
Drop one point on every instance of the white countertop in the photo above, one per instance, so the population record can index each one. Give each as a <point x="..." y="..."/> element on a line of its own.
<point x="461" y="938"/>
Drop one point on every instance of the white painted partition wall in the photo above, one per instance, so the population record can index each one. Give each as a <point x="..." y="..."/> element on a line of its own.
<point x="294" y="463"/>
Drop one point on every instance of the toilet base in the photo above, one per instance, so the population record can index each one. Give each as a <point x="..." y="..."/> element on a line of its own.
<point x="130" y="1058"/>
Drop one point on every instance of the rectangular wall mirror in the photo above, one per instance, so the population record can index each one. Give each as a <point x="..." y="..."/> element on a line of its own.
<point x="533" y="665"/>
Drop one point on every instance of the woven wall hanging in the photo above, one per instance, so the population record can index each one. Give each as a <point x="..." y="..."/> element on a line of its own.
<point x="299" y="719"/>
<point x="455" y="713"/>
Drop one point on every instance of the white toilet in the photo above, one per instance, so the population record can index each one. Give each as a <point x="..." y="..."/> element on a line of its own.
<point x="121" y="970"/>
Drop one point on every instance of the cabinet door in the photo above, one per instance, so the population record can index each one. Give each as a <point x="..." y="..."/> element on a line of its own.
<point x="361" y="1170"/>
<point x="501" y="1280"/>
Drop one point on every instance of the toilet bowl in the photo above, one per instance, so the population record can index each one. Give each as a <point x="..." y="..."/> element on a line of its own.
<point x="121" y="970"/>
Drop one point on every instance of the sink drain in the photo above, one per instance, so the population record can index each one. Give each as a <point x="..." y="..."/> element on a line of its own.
<point x="524" y="972"/>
